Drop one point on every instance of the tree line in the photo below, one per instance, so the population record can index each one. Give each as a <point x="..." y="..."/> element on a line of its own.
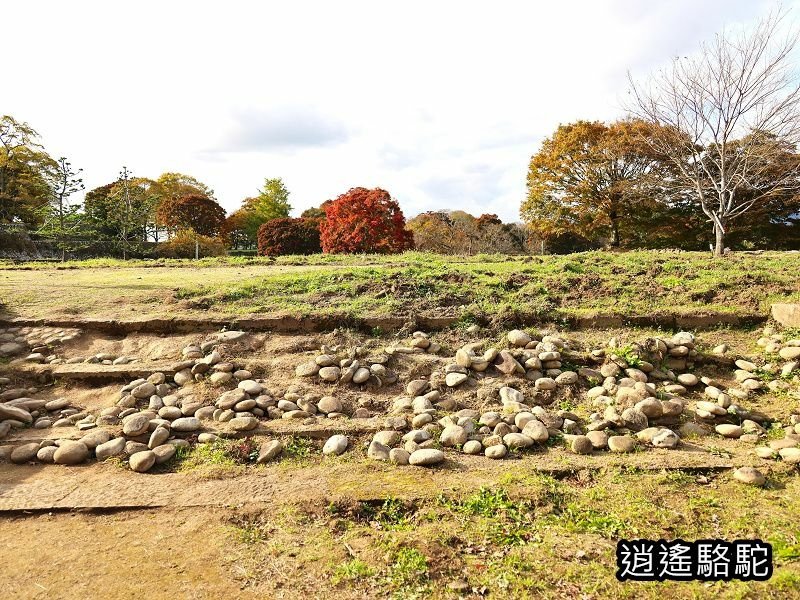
<point x="706" y="156"/>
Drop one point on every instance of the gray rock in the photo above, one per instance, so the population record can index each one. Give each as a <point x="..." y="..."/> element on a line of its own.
<point x="536" y="431"/>
<point x="496" y="451"/>
<point x="330" y="374"/>
<point x="158" y="437"/>
<point x="426" y="457"/>
<point x="111" y="448"/>
<point x="95" y="438"/>
<point x="453" y="435"/>
<point x="243" y="423"/>
<point x="399" y="456"/>
<point x="186" y="424"/>
<point x="164" y="453"/>
<point x="666" y="438"/>
<point x="71" y="453"/>
<point x="142" y="462"/>
<point x="621" y="443"/>
<point x="329" y="404"/>
<point x="24" y="453"/>
<point x="517" y="440"/>
<point x="749" y="476"/>
<point x="45" y="454"/>
<point x="581" y="445"/>
<point x="136" y="424"/>
<point x="378" y="451"/>
<point x="269" y="451"/>
<point x="336" y="445"/>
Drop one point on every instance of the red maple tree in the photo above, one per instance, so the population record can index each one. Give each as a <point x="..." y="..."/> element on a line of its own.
<point x="364" y="220"/>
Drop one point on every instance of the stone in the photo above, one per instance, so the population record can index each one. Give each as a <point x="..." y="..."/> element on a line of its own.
<point x="545" y="383"/>
<point x="164" y="453"/>
<point x="506" y="363"/>
<point x="621" y="443"/>
<point x="634" y="419"/>
<point x="749" y="476"/>
<point x="181" y="378"/>
<point x="517" y="440"/>
<point x="787" y="314"/>
<point x="95" y="438"/>
<point x="519" y="338"/>
<point x="729" y="430"/>
<point x="453" y="435"/>
<point x="46" y="454"/>
<point x="426" y="457"/>
<point x="186" y="424"/>
<point x="15" y="413"/>
<point x="144" y="390"/>
<point x="789" y="352"/>
<point x="455" y="379"/>
<point x="378" y="451"/>
<point x="598" y="439"/>
<point x="24" y="453"/>
<point x="388" y="437"/>
<point x="399" y="456"/>
<point x="158" y="437"/>
<point x="269" y="451"/>
<point x="790" y="456"/>
<point x="416" y="387"/>
<point x="330" y="374"/>
<point x="136" y="424"/>
<point x="666" y="438"/>
<point x="496" y="451"/>
<point x="536" y="431"/>
<point x="142" y="462"/>
<point x="110" y="448"/>
<point x="220" y="378"/>
<point x="581" y="444"/>
<point x="307" y="369"/>
<point x="251" y="387"/>
<point x="329" y="404"/>
<point x="472" y="447"/>
<point x="243" y="423"/>
<point x="335" y="445"/>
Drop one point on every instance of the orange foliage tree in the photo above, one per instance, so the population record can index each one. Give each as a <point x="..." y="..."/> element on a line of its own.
<point x="364" y="220"/>
<point x="199" y="213"/>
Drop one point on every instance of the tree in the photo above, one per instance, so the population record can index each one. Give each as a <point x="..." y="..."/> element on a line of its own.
<point x="313" y="213"/>
<point x="169" y="187"/>
<point x="24" y="171"/>
<point x="60" y="218"/>
<point x="363" y="220"/>
<point x="289" y="236"/>
<point x="199" y="213"/>
<point x="234" y="231"/>
<point x="128" y="214"/>
<point x="588" y="178"/>
<point x="272" y="202"/>
<point x="724" y="116"/>
<point x="458" y="232"/>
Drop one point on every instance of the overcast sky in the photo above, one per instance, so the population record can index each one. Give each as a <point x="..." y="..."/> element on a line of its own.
<point x="441" y="103"/>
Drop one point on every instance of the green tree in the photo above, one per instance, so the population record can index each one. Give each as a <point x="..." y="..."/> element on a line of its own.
<point x="61" y="220"/>
<point x="24" y="171"/>
<point x="131" y="205"/>
<point x="272" y="202"/>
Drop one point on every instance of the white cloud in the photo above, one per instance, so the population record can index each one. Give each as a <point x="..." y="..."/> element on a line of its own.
<point x="442" y="103"/>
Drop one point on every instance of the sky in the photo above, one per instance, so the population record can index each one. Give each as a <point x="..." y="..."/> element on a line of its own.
<point x="441" y="103"/>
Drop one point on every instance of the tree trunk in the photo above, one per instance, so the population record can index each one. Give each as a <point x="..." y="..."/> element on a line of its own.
<point x="614" y="230"/>
<point x="719" y="242"/>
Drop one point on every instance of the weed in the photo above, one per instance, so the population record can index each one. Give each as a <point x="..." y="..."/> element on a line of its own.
<point x="580" y="519"/>
<point x="409" y="567"/>
<point x="298" y="447"/>
<point x="351" y="571"/>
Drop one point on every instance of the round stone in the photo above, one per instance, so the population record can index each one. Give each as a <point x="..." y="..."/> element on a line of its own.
<point x="110" y="448"/>
<point x="536" y="431"/>
<point x="24" y="453"/>
<point x="496" y="451"/>
<point x="749" y="476"/>
<point x="455" y="379"/>
<point x="251" y="387"/>
<point x="71" y="453"/>
<point x="144" y="390"/>
<point x="329" y="374"/>
<point x="329" y="404"/>
<point x="158" y="437"/>
<point x="378" y="451"/>
<point x="688" y="379"/>
<point x="136" y="424"/>
<point x="336" y="445"/>
<point x="45" y="454"/>
<point x="581" y="445"/>
<point x="426" y="457"/>
<point x="243" y="423"/>
<point x="517" y="440"/>
<point x="186" y="424"/>
<point x="269" y="451"/>
<point x="307" y="369"/>
<point x="399" y="456"/>
<point x="666" y="438"/>
<point x="519" y="338"/>
<point x="361" y="375"/>
<point x="599" y="439"/>
<point x="621" y="443"/>
<point x="453" y="435"/>
<point x="472" y="447"/>
<point x="142" y="461"/>
<point x="729" y="430"/>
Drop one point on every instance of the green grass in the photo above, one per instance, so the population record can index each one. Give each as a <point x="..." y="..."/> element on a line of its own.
<point x="351" y="571"/>
<point x="470" y="289"/>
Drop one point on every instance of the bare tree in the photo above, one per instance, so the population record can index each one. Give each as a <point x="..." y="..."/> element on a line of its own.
<point x="727" y="115"/>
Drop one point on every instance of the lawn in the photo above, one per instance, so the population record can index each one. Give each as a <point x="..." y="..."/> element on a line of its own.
<point x="483" y="287"/>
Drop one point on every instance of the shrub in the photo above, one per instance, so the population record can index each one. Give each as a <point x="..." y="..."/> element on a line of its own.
<point x="364" y="220"/>
<point x="182" y="245"/>
<point x="289" y="236"/>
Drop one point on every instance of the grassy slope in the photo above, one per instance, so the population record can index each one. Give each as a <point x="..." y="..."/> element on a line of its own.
<point x="634" y="283"/>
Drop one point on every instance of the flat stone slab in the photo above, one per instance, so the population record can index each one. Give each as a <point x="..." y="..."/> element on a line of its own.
<point x="95" y="371"/>
<point x="787" y="314"/>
